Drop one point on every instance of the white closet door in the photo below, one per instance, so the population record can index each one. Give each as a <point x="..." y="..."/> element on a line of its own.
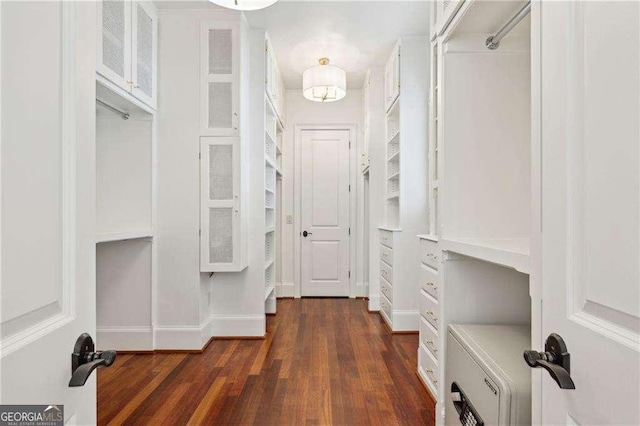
<point x="144" y="48"/>
<point x="220" y="71"/>
<point x="588" y="57"/>
<point x="220" y="204"/>
<point x="114" y="41"/>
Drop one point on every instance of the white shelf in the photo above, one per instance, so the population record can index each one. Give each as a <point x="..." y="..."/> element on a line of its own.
<point x="122" y="236"/>
<point x="269" y="190"/>
<point x="270" y="229"/>
<point x="393" y="176"/>
<point x="392" y="138"/>
<point x="509" y="252"/>
<point x="268" y="291"/>
<point x="268" y="263"/>
<point x="394" y="156"/>
<point x="271" y="138"/>
<point x="365" y="171"/>
<point x="429" y="237"/>
<point x="269" y="162"/>
<point x="278" y="171"/>
<point x="393" y="195"/>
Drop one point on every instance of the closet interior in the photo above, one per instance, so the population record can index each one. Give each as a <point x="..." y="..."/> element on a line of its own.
<point x="480" y="185"/>
<point x="124" y="222"/>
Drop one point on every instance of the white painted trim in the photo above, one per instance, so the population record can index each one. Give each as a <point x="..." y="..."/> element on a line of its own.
<point x="362" y="289"/>
<point x="238" y="325"/>
<point x="297" y="214"/>
<point x="285" y="289"/>
<point x="177" y="338"/>
<point x="374" y="302"/>
<point x="125" y="338"/>
<point x="406" y="320"/>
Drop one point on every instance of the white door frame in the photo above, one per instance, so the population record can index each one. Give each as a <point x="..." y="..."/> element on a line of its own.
<point x="297" y="205"/>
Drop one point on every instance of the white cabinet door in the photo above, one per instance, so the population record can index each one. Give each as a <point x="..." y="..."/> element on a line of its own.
<point x="220" y="78"/>
<point x="144" y="52"/>
<point x="114" y="41"/>
<point x="220" y="166"/>
<point x="392" y="78"/>
<point x="48" y="204"/>
<point x="442" y="13"/>
<point x="589" y="63"/>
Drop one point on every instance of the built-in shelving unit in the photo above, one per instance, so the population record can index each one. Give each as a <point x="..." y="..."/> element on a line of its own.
<point x="479" y="183"/>
<point x="270" y="171"/>
<point x="405" y="175"/>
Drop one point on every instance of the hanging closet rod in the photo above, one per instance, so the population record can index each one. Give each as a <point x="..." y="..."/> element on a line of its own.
<point x="124" y="115"/>
<point x="494" y="41"/>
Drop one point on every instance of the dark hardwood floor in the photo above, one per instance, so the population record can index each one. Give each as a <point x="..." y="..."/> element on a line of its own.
<point x="324" y="361"/>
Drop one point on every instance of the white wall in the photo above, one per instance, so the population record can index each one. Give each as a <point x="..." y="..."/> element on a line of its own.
<point x="301" y="111"/>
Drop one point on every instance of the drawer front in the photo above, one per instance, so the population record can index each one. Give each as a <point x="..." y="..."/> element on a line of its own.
<point x="386" y="238"/>
<point x="429" y="309"/>
<point x="429" y="253"/>
<point x="386" y="272"/>
<point x="429" y="366"/>
<point x="386" y="306"/>
<point x="429" y="280"/>
<point x="429" y="337"/>
<point x="386" y="289"/>
<point x="386" y="255"/>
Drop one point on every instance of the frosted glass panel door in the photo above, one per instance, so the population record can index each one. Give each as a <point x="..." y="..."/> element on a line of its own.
<point x="220" y="204"/>
<point x="114" y="42"/>
<point x="220" y="70"/>
<point x="144" y="52"/>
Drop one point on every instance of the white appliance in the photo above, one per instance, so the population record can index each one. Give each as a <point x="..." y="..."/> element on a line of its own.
<point x="487" y="379"/>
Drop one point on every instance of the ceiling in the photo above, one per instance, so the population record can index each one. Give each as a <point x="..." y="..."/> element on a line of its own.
<point x="353" y="34"/>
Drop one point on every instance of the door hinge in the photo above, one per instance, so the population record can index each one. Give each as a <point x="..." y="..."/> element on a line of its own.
<point x="349" y="187"/>
<point x="349" y="144"/>
<point x="349" y="231"/>
<point x="349" y="274"/>
<point x="200" y="232"/>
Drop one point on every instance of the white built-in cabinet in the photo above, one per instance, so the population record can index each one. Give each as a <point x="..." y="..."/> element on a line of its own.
<point x="220" y="78"/>
<point x="392" y="78"/>
<point x="220" y="166"/>
<point x="474" y="262"/>
<point x="274" y="86"/>
<point x="442" y="12"/>
<point x="406" y="175"/>
<point x="366" y="122"/>
<point x="223" y="235"/>
<point x="128" y="47"/>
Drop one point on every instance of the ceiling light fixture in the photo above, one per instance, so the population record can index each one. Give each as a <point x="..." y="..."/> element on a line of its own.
<point x="245" y="5"/>
<point x="324" y="82"/>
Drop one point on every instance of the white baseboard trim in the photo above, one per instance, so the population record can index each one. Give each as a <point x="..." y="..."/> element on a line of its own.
<point x="374" y="302"/>
<point x="178" y="338"/>
<point x="125" y="338"/>
<point x="285" y="290"/>
<point x="238" y="325"/>
<point x="270" y="304"/>
<point x="362" y="289"/>
<point x="406" y="320"/>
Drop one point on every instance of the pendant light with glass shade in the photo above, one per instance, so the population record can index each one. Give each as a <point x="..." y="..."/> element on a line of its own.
<point x="245" y="5"/>
<point x="324" y="82"/>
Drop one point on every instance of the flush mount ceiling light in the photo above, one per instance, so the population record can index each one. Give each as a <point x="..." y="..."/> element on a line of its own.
<point x="324" y="82"/>
<point x="246" y="5"/>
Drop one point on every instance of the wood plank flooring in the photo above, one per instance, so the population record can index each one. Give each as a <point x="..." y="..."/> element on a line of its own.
<point x="324" y="361"/>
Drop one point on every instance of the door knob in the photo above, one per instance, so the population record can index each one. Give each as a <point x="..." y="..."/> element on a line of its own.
<point x="305" y="233"/>
<point x="84" y="360"/>
<point x="555" y="359"/>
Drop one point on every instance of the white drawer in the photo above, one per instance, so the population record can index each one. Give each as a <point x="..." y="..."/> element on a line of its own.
<point x="429" y="309"/>
<point x="386" y="238"/>
<point x="387" y="272"/>
<point x="386" y="307"/>
<point x="386" y="289"/>
<point x="429" y="253"/>
<point x="429" y="280"/>
<point x="429" y="337"/>
<point x="429" y="367"/>
<point x="386" y="255"/>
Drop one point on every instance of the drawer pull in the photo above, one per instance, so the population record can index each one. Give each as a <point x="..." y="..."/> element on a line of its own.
<point x="431" y="345"/>
<point x="432" y="315"/>
<point x="432" y="285"/>
<point x="430" y="373"/>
